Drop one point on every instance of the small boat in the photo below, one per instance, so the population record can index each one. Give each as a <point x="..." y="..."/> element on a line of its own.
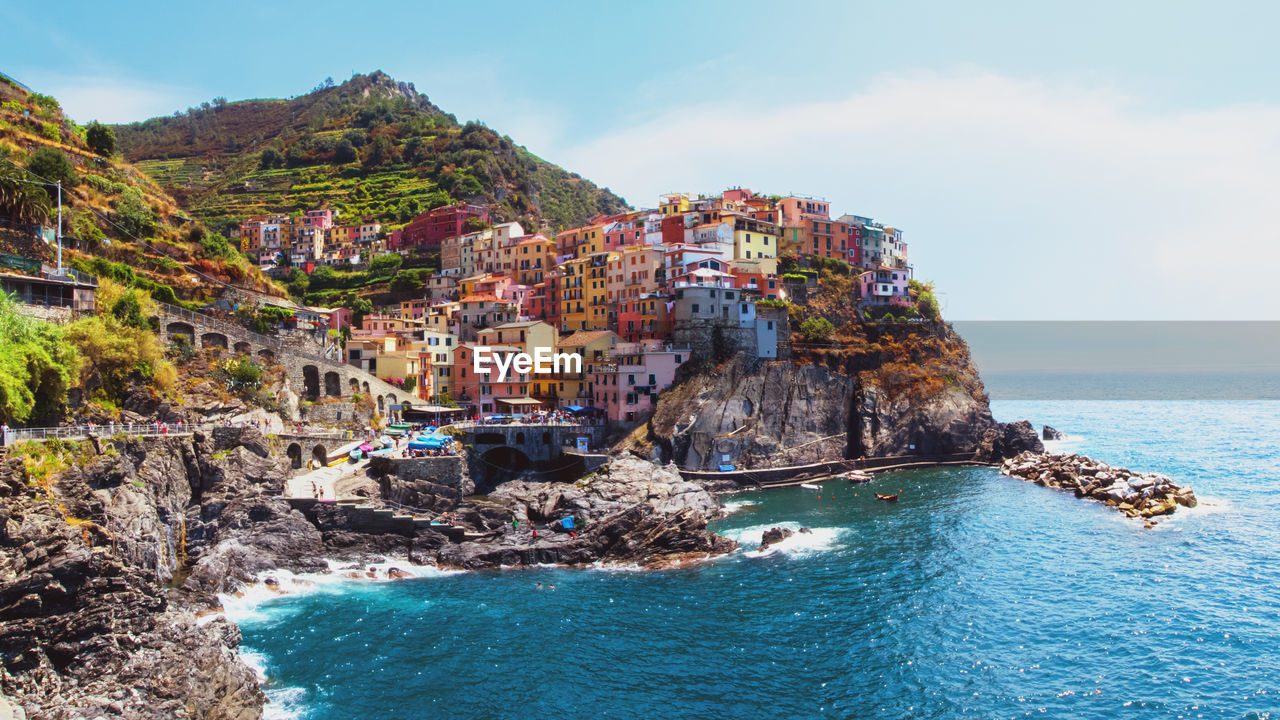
<point x="810" y="486"/>
<point x="356" y="454"/>
<point x="890" y="498"/>
<point x="857" y="476"/>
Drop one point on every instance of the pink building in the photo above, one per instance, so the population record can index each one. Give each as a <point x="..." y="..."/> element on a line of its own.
<point x="627" y="386"/>
<point x="885" y="286"/>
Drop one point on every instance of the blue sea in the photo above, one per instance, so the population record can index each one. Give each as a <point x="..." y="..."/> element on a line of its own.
<point x="976" y="595"/>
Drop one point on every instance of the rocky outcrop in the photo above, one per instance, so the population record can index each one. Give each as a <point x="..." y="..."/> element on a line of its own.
<point x="631" y="511"/>
<point x="1050" y="433"/>
<point x="93" y="622"/>
<point x="1138" y="495"/>
<point x="1005" y="440"/>
<point x="773" y="536"/>
<point x="777" y="414"/>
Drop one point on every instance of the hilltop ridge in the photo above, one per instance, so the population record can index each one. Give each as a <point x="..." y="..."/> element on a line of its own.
<point x="371" y="147"/>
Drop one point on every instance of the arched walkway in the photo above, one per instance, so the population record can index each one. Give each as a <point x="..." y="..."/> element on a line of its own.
<point x="213" y="340"/>
<point x="242" y="348"/>
<point x="332" y="384"/>
<point x="311" y="382"/>
<point x="355" y="385"/>
<point x="320" y="455"/>
<point x="266" y="355"/>
<point x="295" y="455"/>
<point x="181" y="328"/>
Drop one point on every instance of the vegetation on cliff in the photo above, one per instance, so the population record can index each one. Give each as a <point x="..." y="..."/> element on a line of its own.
<point x="371" y="147"/>
<point x="105" y="355"/>
<point x="118" y="221"/>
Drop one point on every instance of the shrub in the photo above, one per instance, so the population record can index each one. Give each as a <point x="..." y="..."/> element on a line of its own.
<point x="927" y="305"/>
<point x="134" y="214"/>
<point x="242" y="372"/>
<point x="50" y="164"/>
<point x="817" y="330"/>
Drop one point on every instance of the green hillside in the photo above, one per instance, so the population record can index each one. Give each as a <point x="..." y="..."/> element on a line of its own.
<point x="370" y="147"/>
<point x="118" y="221"/>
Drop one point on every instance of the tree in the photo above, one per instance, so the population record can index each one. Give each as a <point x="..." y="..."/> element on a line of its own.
<point x="323" y="277"/>
<point x="101" y="139"/>
<point x="135" y="216"/>
<point x="406" y="281"/>
<point x="380" y="151"/>
<point x="50" y="164"/>
<point x="269" y="159"/>
<point x="36" y="366"/>
<point x="385" y="265"/>
<point x="344" y="152"/>
<point x="21" y="200"/>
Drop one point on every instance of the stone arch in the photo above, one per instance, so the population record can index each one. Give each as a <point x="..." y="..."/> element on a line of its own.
<point x="213" y="340"/>
<point x="242" y="348"/>
<point x="295" y="455"/>
<point x="366" y="388"/>
<point x="320" y="455"/>
<point x="490" y="438"/>
<point x="505" y="458"/>
<point x="266" y="355"/>
<point x="181" y="328"/>
<point x="332" y="384"/>
<point x="355" y="385"/>
<point x="311" y="381"/>
<point x="382" y="403"/>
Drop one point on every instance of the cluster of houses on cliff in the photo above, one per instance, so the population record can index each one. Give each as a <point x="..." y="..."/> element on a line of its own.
<point x="634" y="295"/>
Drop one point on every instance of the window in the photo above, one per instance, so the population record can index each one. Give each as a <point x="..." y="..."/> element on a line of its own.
<point x="695" y="307"/>
<point x="769" y="325"/>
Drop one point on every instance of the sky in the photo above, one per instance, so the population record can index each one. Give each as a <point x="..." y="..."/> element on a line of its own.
<point x="1045" y="160"/>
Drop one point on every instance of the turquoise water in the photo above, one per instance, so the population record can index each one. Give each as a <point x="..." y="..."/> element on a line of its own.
<point x="974" y="596"/>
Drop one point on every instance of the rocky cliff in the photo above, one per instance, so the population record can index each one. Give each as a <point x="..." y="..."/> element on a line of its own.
<point x="91" y="621"/>
<point x="899" y="390"/>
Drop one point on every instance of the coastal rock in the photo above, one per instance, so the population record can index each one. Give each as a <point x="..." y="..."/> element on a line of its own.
<point x="1006" y="440"/>
<point x="631" y="510"/>
<point x="1049" y="433"/>
<point x="1138" y="495"/>
<point x="754" y="414"/>
<point x="775" y="535"/>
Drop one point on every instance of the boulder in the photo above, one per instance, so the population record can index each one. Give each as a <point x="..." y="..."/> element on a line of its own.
<point x="1049" y="433"/>
<point x="772" y="536"/>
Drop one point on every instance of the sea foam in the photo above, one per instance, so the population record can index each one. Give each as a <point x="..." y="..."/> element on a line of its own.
<point x="819" y="539"/>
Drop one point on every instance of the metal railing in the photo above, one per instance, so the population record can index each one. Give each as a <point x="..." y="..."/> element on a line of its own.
<point x="80" y="432"/>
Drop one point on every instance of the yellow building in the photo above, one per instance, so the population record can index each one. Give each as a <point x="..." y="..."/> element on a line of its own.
<point x="597" y="290"/>
<point x="573" y="281"/>
<point x="754" y="239"/>
<point x="533" y="257"/>
<point x="595" y="347"/>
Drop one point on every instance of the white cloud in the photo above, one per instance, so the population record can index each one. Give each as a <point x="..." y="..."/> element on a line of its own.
<point x="1022" y="200"/>
<point x="112" y="99"/>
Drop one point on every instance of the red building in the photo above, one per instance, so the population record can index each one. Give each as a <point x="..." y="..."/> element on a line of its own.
<point x="428" y="229"/>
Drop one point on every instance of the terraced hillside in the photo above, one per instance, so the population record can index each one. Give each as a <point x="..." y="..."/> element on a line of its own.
<point x="118" y="221"/>
<point x="370" y="147"/>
